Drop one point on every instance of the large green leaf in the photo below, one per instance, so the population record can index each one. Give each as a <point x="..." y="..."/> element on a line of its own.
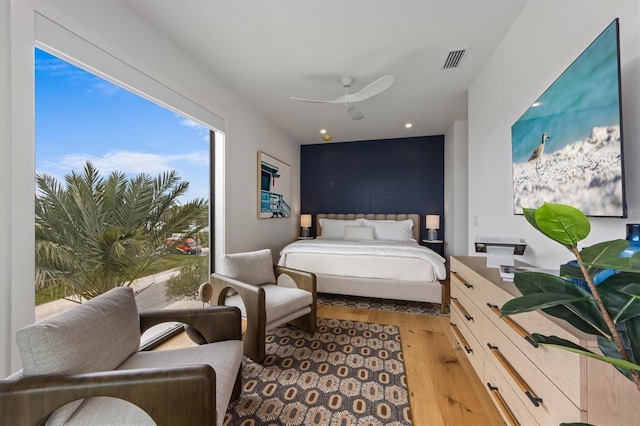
<point x="619" y="295"/>
<point x="564" y="224"/>
<point x="538" y="301"/>
<point x="560" y="343"/>
<point x="610" y="350"/>
<point x="607" y="255"/>
<point x="633" y="332"/>
<point x="584" y="315"/>
<point x="530" y="215"/>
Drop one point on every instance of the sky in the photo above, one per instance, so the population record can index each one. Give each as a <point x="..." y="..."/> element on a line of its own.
<point x="81" y="117"/>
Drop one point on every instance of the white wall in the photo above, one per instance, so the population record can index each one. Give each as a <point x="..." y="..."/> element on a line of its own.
<point x="136" y="43"/>
<point x="544" y="40"/>
<point x="455" y="189"/>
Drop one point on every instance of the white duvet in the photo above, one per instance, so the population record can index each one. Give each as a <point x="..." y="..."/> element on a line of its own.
<point x="403" y="249"/>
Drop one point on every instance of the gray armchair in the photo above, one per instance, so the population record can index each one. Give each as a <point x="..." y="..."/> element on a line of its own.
<point x="73" y="360"/>
<point x="250" y="282"/>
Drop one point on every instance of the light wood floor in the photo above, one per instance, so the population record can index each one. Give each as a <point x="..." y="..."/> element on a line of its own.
<point x="443" y="388"/>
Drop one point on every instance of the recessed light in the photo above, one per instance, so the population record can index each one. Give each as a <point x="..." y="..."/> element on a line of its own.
<point x="408" y="125"/>
<point x="323" y="131"/>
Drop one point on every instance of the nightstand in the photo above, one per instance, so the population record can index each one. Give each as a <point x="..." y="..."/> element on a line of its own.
<point x="435" y="245"/>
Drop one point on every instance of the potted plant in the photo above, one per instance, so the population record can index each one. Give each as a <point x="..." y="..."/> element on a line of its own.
<point x="609" y="310"/>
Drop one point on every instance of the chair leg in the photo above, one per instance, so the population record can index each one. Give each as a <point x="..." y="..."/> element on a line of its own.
<point x="254" y="342"/>
<point x="305" y="322"/>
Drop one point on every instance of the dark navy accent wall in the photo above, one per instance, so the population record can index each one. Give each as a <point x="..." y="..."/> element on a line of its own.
<point x="381" y="176"/>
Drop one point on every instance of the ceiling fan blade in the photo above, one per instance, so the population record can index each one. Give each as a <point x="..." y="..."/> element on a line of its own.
<point x="353" y="112"/>
<point x="378" y="86"/>
<point x="339" y="100"/>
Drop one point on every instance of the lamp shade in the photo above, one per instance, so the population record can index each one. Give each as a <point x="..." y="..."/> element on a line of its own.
<point x="433" y="221"/>
<point x="305" y="221"/>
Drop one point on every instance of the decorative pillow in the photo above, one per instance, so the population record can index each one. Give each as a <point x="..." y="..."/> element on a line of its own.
<point x="255" y="267"/>
<point x="335" y="228"/>
<point x="400" y="230"/>
<point x="97" y="335"/>
<point x="358" y="233"/>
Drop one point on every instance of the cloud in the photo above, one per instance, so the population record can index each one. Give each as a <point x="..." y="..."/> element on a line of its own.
<point x="203" y="131"/>
<point x="129" y="162"/>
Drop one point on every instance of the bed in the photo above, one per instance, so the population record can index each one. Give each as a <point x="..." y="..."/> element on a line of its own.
<point x="371" y="255"/>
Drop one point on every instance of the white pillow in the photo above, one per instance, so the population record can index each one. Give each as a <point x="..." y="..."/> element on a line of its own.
<point x="400" y="230"/>
<point x="358" y="233"/>
<point x="335" y="228"/>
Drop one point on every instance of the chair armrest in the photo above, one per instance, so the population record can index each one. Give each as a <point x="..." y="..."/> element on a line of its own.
<point x="252" y="296"/>
<point x="214" y="324"/>
<point x="303" y="279"/>
<point x="175" y="395"/>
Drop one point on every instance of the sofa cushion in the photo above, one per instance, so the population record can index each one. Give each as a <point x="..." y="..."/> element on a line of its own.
<point x="279" y="302"/>
<point x="97" y="335"/>
<point x="225" y="357"/>
<point x="255" y="267"/>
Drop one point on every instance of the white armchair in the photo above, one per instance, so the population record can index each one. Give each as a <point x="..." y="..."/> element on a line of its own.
<point x="250" y="282"/>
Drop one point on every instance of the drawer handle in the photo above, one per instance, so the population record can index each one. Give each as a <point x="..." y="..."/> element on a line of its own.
<point x="515" y="376"/>
<point x="514" y="325"/>
<point x="466" y="284"/>
<point x="503" y="405"/>
<point x="461" y="309"/>
<point x="461" y="338"/>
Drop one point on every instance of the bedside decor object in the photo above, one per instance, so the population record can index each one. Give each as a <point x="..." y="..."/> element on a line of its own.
<point x="305" y="224"/>
<point x="633" y="236"/>
<point x="274" y="187"/>
<point x="432" y="225"/>
<point x="500" y="250"/>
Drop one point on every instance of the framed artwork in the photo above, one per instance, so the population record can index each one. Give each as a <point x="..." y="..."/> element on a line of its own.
<point x="274" y="187"/>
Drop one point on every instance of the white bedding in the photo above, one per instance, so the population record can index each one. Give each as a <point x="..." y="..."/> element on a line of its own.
<point x="400" y="260"/>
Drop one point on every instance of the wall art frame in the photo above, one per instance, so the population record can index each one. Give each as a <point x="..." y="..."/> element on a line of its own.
<point x="274" y="187"/>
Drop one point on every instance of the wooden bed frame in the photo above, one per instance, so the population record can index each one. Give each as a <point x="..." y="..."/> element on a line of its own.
<point x="432" y="292"/>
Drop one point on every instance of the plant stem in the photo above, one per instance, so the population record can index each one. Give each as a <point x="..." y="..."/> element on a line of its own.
<point x="607" y="319"/>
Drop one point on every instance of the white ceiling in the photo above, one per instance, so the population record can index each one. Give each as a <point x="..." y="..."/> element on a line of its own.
<point x="268" y="51"/>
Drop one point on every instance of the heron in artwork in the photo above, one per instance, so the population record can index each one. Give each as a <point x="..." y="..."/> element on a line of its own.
<point x="539" y="150"/>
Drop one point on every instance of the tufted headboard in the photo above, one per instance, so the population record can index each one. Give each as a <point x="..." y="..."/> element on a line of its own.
<point x="371" y="216"/>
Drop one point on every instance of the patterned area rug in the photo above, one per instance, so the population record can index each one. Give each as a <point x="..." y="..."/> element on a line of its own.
<point x="407" y="306"/>
<point x="347" y="373"/>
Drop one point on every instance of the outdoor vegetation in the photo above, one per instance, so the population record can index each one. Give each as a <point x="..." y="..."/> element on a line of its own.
<point x="190" y="275"/>
<point x="94" y="233"/>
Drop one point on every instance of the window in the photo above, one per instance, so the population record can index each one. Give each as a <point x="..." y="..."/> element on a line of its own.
<point x="85" y="123"/>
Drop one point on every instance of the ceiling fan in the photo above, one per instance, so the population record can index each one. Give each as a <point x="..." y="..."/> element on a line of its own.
<point x="347" y="100"/>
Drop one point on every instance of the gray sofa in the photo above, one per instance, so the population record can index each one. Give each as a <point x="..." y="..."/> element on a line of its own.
<point x="72" y="362"/>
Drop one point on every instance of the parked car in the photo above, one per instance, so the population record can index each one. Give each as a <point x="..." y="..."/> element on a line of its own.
<point x="184" y="245"/>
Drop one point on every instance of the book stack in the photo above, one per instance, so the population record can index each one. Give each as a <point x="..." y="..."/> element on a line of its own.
<point x="508" y="272"/>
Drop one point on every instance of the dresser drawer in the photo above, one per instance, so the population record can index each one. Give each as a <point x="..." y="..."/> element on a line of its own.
<point x="510" y="406"/>
<point x="561" y="367"/>
<point x="467" y="342"/>
<point x="544" y="400"/>
<point x="466" y="309"/>
<point x="467" y="284"/>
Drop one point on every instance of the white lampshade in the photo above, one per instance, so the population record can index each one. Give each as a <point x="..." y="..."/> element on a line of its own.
<point x="433" y="221"/>
<point x="305" y="221"/>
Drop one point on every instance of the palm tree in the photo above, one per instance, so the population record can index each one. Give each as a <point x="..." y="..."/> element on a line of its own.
<point x="95" y="233"/>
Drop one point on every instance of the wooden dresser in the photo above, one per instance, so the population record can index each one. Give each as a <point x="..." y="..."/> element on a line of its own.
<point x="532" y="384"/>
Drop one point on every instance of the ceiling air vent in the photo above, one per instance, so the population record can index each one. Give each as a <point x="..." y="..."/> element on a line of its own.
<point x="454" y="58"/>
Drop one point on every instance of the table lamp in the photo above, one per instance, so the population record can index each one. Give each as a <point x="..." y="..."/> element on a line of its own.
<point x="433" y="224"/>
<point x="305" y="223"/>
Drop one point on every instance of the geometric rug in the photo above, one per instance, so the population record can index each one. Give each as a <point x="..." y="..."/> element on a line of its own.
<point x="347" y="373"/>
<point x="406" y="306"/>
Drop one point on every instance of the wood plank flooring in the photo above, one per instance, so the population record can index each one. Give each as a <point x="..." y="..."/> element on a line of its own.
<point x="443" y="388"/>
